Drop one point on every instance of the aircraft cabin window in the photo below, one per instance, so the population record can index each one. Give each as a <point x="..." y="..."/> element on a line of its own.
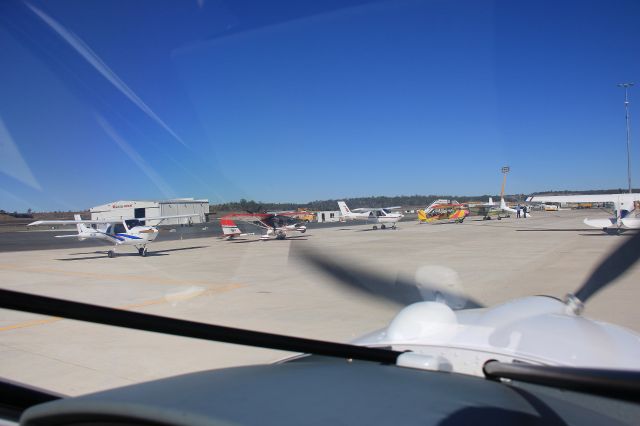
<point x="132" y="223"/>
<point x="118" y="228"/>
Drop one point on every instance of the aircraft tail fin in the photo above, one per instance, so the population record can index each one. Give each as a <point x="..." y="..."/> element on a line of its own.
<point x="491" y="201"/>
<point x="503" y="205"/>
<point x="422" y="216"/>
<point x="229" y="228"/>
<point x="344" y="209"/>
<point x="82" y="228"/>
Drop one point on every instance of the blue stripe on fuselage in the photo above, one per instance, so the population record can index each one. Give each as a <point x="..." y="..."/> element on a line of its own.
<point x="133" y="237"/>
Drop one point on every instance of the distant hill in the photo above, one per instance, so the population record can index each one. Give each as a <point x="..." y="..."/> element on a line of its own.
<point x="357" y="202"/>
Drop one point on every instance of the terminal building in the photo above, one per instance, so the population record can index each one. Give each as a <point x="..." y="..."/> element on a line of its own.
<point x="150" y="209"/>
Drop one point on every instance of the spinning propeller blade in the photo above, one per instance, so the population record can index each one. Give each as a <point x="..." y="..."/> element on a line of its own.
<point x="609" y="269"/>
<point x="402" y="292"/>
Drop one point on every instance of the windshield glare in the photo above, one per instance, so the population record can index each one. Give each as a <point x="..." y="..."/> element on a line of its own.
<point x="239" y="126"/>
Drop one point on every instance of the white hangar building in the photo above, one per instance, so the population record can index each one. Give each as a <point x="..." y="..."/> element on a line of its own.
<point x="149" y="209"/>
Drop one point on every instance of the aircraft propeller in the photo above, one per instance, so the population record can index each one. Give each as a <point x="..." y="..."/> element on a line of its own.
<point x="405" y="292"/>
<point x="605" y="273"/>
<point x="399" y="291"/>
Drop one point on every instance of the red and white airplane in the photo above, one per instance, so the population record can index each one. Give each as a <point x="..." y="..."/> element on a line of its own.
<point x="275" y="224"/>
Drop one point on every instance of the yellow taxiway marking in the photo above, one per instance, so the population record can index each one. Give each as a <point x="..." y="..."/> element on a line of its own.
<point x="32" y="323"/>
<point x="100" y="276"/>
<point x="169" y="298"/>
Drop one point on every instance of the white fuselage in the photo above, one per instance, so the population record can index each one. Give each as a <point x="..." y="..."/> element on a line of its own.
<point x="371" y="216"/>
<point x="118" y="234"/>
<point x="535" y="329"/>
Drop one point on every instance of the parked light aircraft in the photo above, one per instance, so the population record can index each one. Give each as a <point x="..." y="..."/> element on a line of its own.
<point x="627" y="209"/>
<point x="121" y="232"/>
<point x="490" y="210"/>
<point x="443" y="210"/>
<point x="440" y="361"/>
<point x="275" y="224"/>
<point x="382" y="215"/>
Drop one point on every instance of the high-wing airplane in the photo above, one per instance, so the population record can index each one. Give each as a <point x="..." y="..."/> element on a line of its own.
<point x="382" y="215"/>
<point x="121" y="232"/>
<point x="443" y="210"/>
<point x="275" y="224"/>
<point x="627" y="209"/>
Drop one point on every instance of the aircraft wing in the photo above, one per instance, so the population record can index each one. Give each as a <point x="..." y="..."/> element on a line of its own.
<point x="363" y="210"/>
<point x="161" y="217"/>
<point x="631" y="222"/>
<point x="583" y="198"/>
<point x="291" y="213"/>
<point x="72" y="222"/>
<point x="600" y="223"/>
<point x="102" y="222"/>
<point x="248" y="217"/>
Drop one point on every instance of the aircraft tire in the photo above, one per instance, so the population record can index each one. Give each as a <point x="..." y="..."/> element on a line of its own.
<point x="111" y="253"/>
<point x="499" y="218"/>
<point x="143" y="252"/>
<point x="383" y="226"/>
<point x="375" y="227"/>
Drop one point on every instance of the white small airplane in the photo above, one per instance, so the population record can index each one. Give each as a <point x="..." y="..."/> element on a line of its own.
<point x="627" y="209"/>
<point x="122" y="232"/>
<point x="383" y="215"/>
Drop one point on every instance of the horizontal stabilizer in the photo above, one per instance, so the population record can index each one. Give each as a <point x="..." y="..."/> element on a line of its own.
<point x="631" y="222"/>
<point x="600" y="223"/>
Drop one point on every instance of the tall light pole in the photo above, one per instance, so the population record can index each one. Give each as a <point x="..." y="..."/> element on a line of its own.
<point x="626" y="108"/>
<point x="504" y="171"/>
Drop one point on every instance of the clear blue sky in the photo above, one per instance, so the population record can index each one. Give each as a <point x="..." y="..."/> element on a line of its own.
<point x="305" y="100"/>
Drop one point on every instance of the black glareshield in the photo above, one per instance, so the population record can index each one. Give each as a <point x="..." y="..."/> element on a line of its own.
<point x="619" y="384"/>
<point x="134" y="320"/>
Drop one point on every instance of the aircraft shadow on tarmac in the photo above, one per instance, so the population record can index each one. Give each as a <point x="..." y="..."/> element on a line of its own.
<point x="558" y="230"/>
<point x="584" y="232"/>
<point x="253" y="240"/>
<point x="103" y="253"/>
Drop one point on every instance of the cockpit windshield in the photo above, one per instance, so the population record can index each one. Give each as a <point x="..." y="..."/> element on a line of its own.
<point x="215" y="115"/>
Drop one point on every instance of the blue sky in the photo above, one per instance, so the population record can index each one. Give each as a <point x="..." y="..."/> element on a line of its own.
<point x="298" y="101"/>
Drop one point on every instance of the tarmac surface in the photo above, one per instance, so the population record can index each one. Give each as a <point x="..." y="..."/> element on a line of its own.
<point x="263" y="286"/>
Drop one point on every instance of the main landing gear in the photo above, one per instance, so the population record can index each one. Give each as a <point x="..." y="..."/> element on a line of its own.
<point x="111" y="253"/>
<point x="383" y="226"/>
<point x="142" y="251"/>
